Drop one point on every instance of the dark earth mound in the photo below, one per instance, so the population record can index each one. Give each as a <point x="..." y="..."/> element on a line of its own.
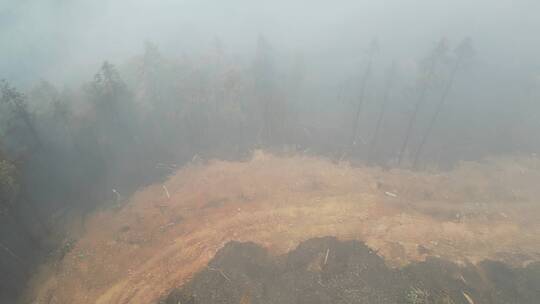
<point x="326" y="270"/>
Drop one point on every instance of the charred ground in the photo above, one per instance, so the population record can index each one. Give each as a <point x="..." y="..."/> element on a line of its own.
<point x="326" y="270"/>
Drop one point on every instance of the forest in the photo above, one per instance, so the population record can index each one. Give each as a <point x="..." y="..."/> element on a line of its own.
<point x="67" y="150"/>
<point x="78" y="148"/>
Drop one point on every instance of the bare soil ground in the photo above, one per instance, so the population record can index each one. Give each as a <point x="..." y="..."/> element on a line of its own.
<point x="168" y="232"/>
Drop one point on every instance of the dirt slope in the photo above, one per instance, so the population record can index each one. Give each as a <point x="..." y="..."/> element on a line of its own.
<point x="168" y="232"/>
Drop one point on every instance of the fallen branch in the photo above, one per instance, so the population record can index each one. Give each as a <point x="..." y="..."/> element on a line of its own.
<point x="469" y="299"/>
<point x="12" y="253"/>
<point x="391" y="194"/>
<point x="221" y="272"/>
<point x="118" y="196"/>
<point x="166" y="191"/>
<point x="326" y="257"/>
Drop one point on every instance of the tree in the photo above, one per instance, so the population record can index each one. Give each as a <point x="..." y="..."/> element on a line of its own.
<point x="107" y="89"/>
<point x="372" y="51"/>
<point x="114" y="112"/>
<point x="9" y="185"/>
<point x="52" y="114"/>
<point x="390" y="79"/>
<point x="149" y="76"/>
<point x="463" y="52"/>
<point x="10" y="207"/>
<point x="264" y="77"/>
<point x="436" y="56"/>
<point x="18" y="120"/>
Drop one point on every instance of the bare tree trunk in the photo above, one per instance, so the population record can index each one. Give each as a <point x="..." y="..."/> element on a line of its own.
<point x="386" y="95"/>
<point x="360" y="105"/>
<point x="27" y="121"/>
<point x="417" y="106"/>
<point x="440" y="106"/>
<point x="267" y="127"/>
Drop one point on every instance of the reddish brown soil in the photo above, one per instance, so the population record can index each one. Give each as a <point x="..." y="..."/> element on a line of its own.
<point x="137" y="254"/>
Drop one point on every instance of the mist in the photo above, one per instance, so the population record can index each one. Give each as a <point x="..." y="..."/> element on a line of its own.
<point x="122" y="118"/>
<point x="58" y="39"/>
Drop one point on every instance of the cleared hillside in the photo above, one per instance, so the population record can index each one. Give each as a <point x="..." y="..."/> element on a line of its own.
<point x="165" y="233"/>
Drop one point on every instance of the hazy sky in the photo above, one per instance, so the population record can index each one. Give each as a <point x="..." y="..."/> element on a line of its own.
<point x="58" y="39"/>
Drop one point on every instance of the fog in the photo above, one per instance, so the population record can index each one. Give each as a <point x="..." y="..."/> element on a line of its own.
<point x="59" y="40"/>
<point x="434" y="106"/>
